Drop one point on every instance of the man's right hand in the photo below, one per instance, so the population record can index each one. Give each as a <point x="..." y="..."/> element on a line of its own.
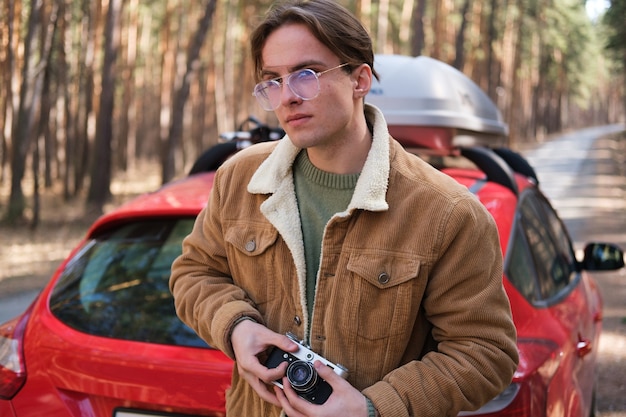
<point x="249" y="339"/>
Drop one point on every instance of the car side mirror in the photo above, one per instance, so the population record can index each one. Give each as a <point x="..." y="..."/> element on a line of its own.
<point x="603" y="257"/>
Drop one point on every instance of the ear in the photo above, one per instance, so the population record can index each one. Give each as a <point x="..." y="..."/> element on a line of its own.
<point x="362" y="80"/>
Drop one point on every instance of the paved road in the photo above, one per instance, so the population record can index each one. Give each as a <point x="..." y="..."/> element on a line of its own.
<point x="584" y="175"/>
<point x="13" y="306"/>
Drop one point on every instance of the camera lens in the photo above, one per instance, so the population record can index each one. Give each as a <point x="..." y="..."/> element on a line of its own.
<point x="302" y="376"/>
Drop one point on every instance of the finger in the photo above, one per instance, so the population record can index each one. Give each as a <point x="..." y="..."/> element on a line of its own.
<point x="283" y="401"/>
<point x="284" y="343"/>
<point x="273" y="374"/>
<point x="264" y="392"/>
<point x="295" y="400"/>
<point x="289" y="400"/>
<point x="327" y="373"/>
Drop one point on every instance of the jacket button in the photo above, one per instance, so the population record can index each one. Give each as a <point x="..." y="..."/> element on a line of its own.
<point x="251" y="246"/>
<point x="383" y="278"/>
<point x="297" y="320"/>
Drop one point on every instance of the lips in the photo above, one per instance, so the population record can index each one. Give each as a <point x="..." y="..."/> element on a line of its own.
<point x="296" y="118"/>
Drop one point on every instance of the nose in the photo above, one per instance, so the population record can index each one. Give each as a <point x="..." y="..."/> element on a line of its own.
<point x="287" y="95"/>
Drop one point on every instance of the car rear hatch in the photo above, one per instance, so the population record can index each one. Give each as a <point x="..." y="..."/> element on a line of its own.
<point x="104" y="339"/>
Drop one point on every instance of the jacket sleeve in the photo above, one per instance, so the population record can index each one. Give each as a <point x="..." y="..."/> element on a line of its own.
<point x="205" y="296"/>
<point x="475" y="338"/>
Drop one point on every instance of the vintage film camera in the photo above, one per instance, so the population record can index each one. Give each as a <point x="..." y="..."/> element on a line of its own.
<point x="301" y="374"/>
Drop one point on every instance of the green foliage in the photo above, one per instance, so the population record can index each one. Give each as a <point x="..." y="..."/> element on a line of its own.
<point x="572" y="35"/>
<point x="615" y="22"/>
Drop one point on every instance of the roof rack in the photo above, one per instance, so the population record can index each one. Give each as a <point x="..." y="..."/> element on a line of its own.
<point x="494" y="166"/>
<point x="500" y="165"/>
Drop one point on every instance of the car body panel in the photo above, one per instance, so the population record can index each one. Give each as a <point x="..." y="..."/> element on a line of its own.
<point x="74" y="374"/>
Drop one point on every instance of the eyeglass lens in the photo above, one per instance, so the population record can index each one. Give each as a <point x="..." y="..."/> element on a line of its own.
<point x="303" y="83"/>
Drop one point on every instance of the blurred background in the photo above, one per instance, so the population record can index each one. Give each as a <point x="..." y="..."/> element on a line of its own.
<point x="91" y="90"/>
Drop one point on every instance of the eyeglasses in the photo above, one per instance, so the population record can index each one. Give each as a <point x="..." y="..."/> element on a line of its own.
<point x="303" y="83"/>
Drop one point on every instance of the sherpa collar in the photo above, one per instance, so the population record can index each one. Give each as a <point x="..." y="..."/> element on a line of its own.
<point x="371" y="188"/>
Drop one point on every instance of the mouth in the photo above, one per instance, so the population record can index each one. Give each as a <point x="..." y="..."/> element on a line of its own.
<point x="296" y="118"/>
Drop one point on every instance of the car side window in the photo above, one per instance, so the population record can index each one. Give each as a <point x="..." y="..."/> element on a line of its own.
<point x="547" y="259"/>
<point x="561" y="239"/>
<point x="118" y="285"/>
<point x="520" y="268"/>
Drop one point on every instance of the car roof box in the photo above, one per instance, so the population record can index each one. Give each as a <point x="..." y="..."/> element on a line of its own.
<point x="430" y="104"/>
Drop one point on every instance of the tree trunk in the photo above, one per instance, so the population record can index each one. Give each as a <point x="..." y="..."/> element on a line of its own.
<point x="624" y="81"/>
<point x="44" y="105"/>
<point x="514" y="107"/>
<point x="6" y="91"/>
<point x="382" y="27"/>
<point x="99" y="189"/>
<point x="86" y="79"/>
<point x="439" y="33"/>
<point x="404" y="35"/>
<point x="127" y="126"/>
<point x="182" y="93"/>
<point x="492" y="74"/>
<point x="418" y="40"/>
<point x="459" y="60"/>
<point x="30" y="95"/>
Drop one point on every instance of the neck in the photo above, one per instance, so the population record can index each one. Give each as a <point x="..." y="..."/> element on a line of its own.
<point x="344" y="156"/>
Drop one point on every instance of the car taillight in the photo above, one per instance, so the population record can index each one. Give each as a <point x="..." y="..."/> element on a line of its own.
<point x="539" y="360"/>
<point x="12" y="367"/>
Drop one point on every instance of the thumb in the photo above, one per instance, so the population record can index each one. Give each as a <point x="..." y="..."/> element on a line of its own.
<point x="284" y="343"/>
<point x="327" y="373"/>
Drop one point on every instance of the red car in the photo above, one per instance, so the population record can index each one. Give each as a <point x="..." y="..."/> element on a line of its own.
<point x="103" y="340"/>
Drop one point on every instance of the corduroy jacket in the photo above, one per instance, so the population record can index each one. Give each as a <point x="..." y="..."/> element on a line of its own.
<point x="409" y="294"/>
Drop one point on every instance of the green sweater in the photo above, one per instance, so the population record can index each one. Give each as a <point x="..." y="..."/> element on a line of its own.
<point x="320" y="195"/>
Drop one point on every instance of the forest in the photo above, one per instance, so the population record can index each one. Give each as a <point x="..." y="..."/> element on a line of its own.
<point x="90" y="88"/>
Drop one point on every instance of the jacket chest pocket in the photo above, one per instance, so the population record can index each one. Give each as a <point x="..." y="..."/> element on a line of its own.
<point x="387" y="295"/>
<point x="253" y="260"/>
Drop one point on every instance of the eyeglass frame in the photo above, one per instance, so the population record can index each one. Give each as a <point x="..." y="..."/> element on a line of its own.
<point x="287" y="77"/>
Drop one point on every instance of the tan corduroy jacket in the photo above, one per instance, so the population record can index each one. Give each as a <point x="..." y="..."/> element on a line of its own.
<point x="409" y="292"/>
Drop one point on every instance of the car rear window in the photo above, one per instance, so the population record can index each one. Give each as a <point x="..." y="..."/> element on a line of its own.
<point x="117" y="285"/>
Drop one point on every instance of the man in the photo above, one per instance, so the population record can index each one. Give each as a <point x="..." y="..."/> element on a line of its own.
<point x="336" y="234"/>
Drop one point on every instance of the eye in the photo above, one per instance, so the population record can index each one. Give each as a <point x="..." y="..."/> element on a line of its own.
<point x="265" y="87"/>
<point x="273" y="83"/>
<point x="304" y="75"/>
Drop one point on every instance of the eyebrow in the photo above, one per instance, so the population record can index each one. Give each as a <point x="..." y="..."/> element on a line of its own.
<point x="302" y="65"/>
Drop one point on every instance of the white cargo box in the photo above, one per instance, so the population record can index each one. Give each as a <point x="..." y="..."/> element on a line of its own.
<point x="428" y="103"/>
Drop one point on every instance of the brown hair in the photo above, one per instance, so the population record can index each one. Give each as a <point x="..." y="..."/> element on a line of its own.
<point x="331" y="23"/>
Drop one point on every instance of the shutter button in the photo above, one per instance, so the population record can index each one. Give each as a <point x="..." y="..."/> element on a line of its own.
<point x="251" y="246"/>
<point x="383" y="278"/>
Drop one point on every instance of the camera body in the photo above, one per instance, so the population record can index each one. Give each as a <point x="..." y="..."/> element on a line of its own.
<point x="300" y="372"/>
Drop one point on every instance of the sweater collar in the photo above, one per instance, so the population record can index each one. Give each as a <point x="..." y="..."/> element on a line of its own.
<point x="371" y="188"/>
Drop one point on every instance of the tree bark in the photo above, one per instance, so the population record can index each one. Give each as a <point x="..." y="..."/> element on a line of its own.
<point x="492" y="74"/>
<point x="44" y="105"/>
<point x="100" y="186"/>
<point x="173" y="143"/>
<point x="417" y="19"/>
<point x="459" y="60"/>
<point x="6" y="92"/>
<point x="30" y="96"/>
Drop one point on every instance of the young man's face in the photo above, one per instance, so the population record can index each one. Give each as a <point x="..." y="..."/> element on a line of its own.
<point x="326" y="120"/>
